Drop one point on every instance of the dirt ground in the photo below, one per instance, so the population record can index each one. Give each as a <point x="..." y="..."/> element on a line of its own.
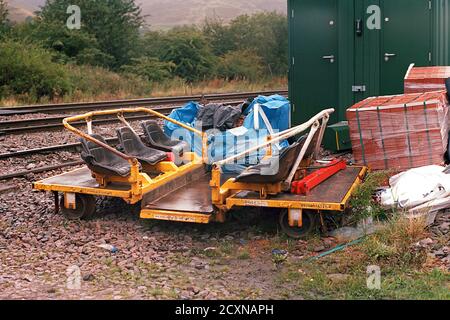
<point x="44" y="256"/>
<point x="153" y="259"/>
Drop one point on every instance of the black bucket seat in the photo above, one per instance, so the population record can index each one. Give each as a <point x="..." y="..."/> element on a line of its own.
<point x="159" y="140"/>
<point x="133" y="146"/>
<point x="103" y="161"/>
<point x="260" y="173"/>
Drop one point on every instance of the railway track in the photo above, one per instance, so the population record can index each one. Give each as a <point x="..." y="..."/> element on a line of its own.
<point x="40" y="170"/>
<point x="75" y="147"/>
<point x="51" y="123"/>
<point x="67" y="107"/>
<point x="48" y="149"/>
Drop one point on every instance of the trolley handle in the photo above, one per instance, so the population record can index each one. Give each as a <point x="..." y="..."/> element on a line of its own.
<point x="89" y="116"/>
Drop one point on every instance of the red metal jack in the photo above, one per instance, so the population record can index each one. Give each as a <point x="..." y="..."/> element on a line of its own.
<point x="311" y="181"/>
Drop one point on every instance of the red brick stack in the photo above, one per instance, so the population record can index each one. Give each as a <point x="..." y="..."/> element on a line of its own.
<point x="400" y="132"/>
<point x="426" y="79"/>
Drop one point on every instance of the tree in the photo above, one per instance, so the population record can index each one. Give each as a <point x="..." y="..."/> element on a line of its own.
<point x="3" y="16"/>
<point x="3" y="12"/>
<point x="151" y="69"/>
<point x="69" y="44"/>
<point x="218" y="36"/>
<point x="151" y="43"/>
<point x="114" y="24"/>
<point x="240" y="65"/>
<point x="28" y="69"/>
<point x="189" y="51"/>
<point x="267" y="34"/>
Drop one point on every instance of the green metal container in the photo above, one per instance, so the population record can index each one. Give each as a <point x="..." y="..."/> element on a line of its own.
<point x="441" y="32"/>
<point x="337" y="138"/>
<point x="339" y="56"/>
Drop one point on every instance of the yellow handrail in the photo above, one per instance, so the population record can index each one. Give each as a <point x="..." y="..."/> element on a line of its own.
<point x="90" y="115"/>
<point x="276" y="138"/>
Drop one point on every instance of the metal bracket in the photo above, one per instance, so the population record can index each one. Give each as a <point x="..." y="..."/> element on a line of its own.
<point x="295" y="217"/>
<point x="70" y="201"/>
<point x="287" y="184"/>
<point x="358" y="88"/>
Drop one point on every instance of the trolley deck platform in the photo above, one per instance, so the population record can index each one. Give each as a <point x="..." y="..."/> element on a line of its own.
<point x="79" y="181"/>
<point x="194" y="197"/>
<point x="331" y="195"/>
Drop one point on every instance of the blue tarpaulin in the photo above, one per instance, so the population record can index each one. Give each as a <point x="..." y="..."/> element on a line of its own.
<point x="187" y="115"/>
<point x="277" y="109"/>
<point x="222" y="145"/>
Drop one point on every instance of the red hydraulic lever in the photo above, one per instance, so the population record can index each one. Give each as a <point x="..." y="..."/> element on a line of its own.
<point x="311" y="181"/>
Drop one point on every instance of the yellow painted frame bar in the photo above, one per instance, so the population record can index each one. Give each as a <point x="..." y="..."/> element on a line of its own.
<point x="186" y="217"/>
<point x="362" y="174"/>
<point x="235" y="202"/>
<point x="170" y="176"/>
<point x="220" y="193"/>
<point x="83" y="190"/>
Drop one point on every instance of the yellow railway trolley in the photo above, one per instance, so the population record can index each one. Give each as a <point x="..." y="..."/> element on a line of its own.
<point x="172" y="183"/>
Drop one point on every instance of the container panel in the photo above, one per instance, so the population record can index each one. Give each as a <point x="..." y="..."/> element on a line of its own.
<point x="441" y="32"/>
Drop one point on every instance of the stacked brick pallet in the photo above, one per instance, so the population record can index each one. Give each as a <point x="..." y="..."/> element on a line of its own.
<point x="400" y="132"/>
<point x="426" y="79"/>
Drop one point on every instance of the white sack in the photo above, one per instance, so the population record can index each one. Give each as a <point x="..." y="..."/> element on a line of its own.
<point x="416" y="187"/>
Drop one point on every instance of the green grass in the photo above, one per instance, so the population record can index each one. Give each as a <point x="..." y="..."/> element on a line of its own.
<point x="402" y="265"/>
<point x="362" y="203"/>
<point x="98" y="84"/>
<point x="395" y="284"/>
<point x="227" y="248"/>
<point x="244" y="255"/>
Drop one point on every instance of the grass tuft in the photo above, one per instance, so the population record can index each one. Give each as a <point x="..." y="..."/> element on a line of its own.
<point x="363" y="203"/>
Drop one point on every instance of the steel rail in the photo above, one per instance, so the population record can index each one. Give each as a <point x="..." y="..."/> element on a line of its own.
<point x="59" y="125"/>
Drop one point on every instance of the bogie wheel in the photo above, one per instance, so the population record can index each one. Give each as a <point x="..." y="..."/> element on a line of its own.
<point x="310" y="223"/>
<point x="85" y="207"/>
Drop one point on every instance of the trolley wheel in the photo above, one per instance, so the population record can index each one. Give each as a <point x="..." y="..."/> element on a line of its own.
<point x="85" y="207"/>
<point x="310" y="223"/>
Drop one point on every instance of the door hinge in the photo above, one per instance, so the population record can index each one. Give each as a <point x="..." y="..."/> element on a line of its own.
<point x="292" y="13"/>
<point x="430" y="57"/>
<point x="358" y="88"/>
<point x="293" y="60"/>
<point x="430" y="4"/>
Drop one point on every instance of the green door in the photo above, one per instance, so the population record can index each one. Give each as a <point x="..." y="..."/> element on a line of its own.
<point x="406" y="39"/>
<point x="314" y="57"/>
<point x="367" y="53"/>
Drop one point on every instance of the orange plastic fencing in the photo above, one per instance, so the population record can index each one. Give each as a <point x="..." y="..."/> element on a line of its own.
<point x="426" y="79"/>
<point x="400" y="132"/>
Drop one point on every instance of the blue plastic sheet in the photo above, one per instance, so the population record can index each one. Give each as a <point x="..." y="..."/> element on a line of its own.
<point x="277" y="109"/>
<point x="187" y="115"/>
<point x="222" y="145"/>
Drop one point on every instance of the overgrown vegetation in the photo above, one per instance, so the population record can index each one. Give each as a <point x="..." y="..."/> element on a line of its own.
<point x="393" y="246"/>
<point x="403" y="266"/>
<point x="113" y="38"/>
<point x="112" y="26"/>
<point x="27" y="69"/>
<point x="3" y="17"/>
<point x="363" y="203"/>
<point x="3" y="11"/>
